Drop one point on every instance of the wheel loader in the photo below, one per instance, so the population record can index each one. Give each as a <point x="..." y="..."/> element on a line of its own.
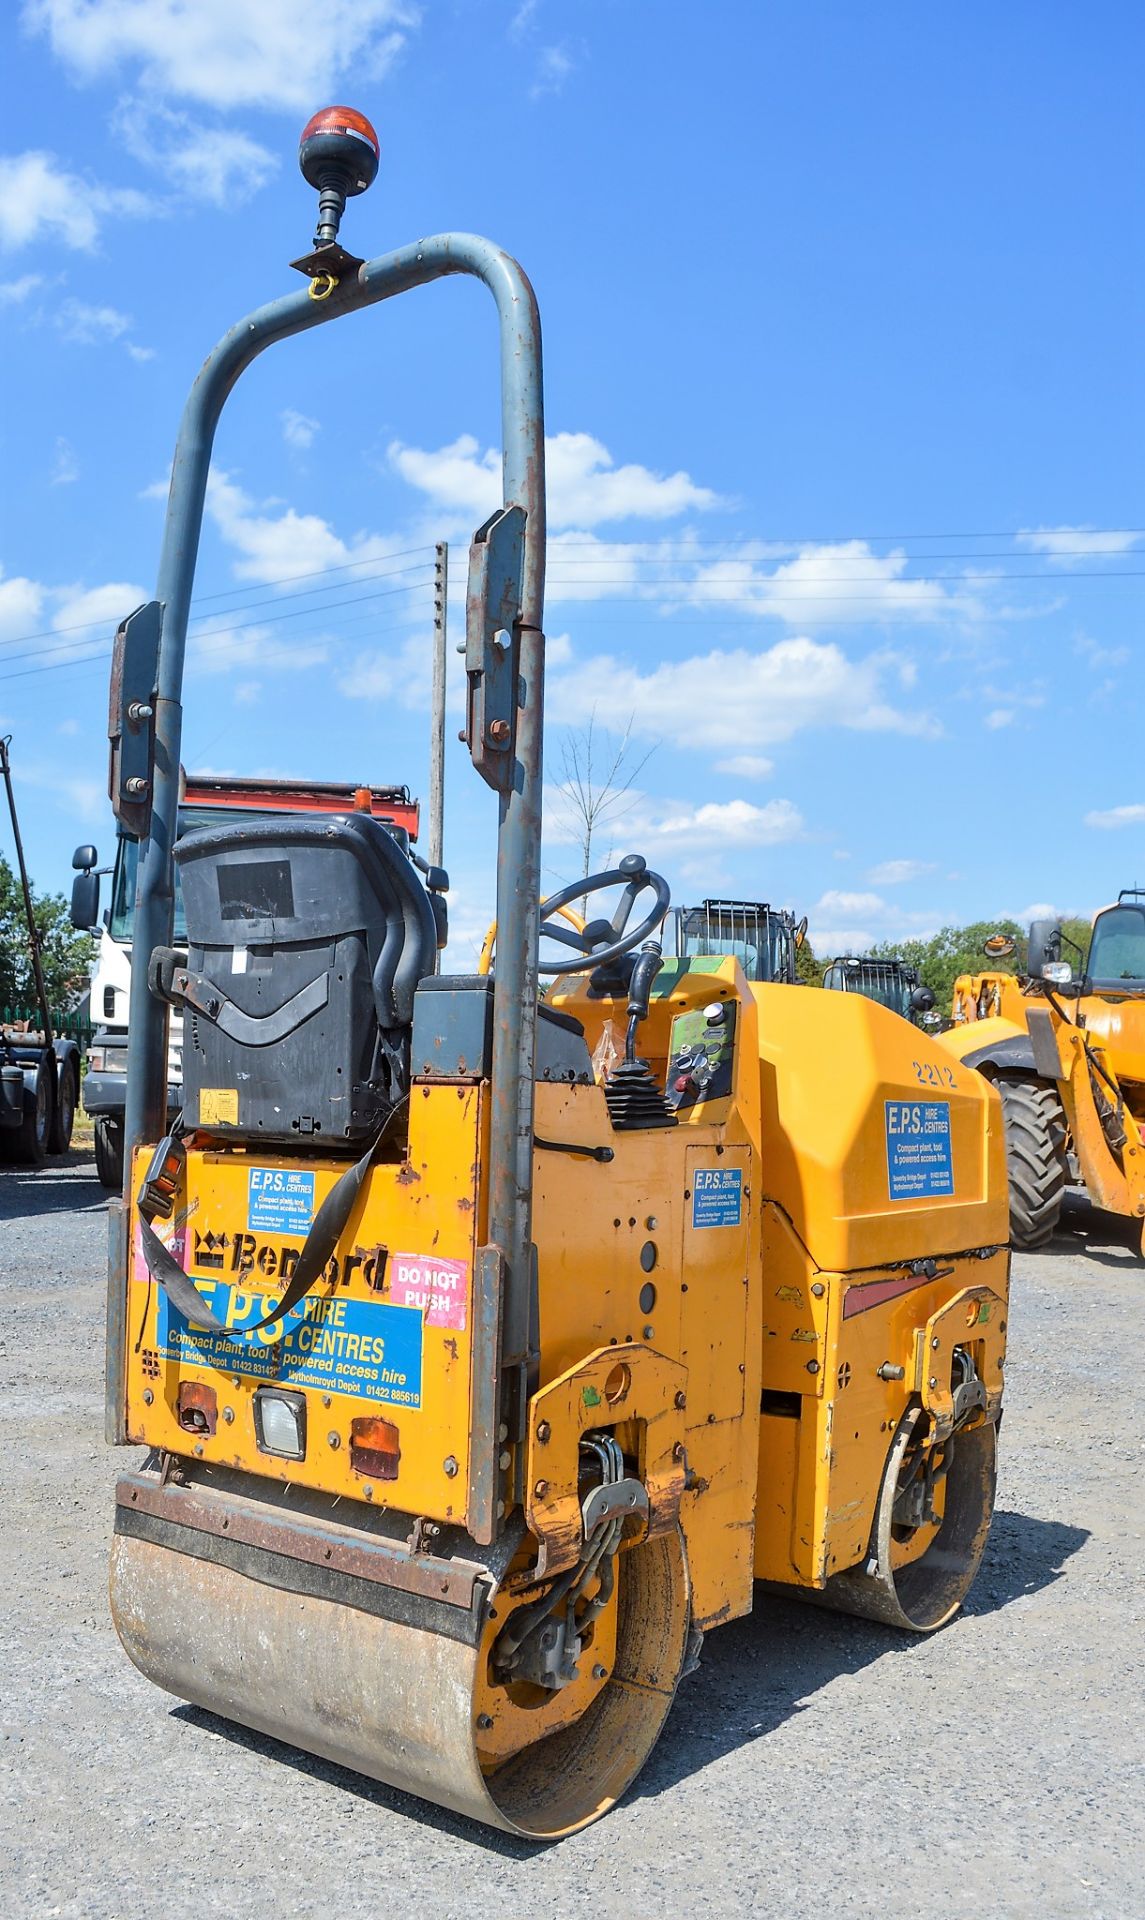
<point x="479" y="1387"/>
<point x="1068" y="1058"/>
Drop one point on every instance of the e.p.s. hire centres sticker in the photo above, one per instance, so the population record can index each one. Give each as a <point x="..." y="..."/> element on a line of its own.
<point x="440" y="1288"/>
<point x="919" y="1162"/>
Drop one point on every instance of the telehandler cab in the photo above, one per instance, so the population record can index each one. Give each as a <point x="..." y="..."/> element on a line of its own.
<point x="477" y="1391"/>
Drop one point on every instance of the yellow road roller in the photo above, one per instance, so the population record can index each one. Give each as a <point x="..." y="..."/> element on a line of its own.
<point x="490" y="1346"/>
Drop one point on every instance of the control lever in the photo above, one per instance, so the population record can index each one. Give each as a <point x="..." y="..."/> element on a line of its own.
<point x="647" y="965"/>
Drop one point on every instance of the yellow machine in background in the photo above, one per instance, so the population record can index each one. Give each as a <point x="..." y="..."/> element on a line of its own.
<point x="480" y="1383"/>
<point x="1068" y="1059"/>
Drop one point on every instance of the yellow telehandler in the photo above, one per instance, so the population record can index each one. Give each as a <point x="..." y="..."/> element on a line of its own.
<point x="1068" y="1058"/>
<point x="478" y="1385"/>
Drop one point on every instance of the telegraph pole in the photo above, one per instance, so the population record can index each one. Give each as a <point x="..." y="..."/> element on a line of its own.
<point x="437" y="705"/>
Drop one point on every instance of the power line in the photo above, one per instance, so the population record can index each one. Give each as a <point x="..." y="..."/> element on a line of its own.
<point x="82" y="626"/>
<point x="299" y="613"/>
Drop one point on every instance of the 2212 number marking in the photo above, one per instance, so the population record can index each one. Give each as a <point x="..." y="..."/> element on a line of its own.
<point x="928" y="1075"/>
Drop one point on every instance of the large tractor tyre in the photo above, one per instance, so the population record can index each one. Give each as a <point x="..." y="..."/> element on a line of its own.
<point x="29" y="1145"/>
<point x="109" y="1151"/>
<point x="64" y="1111"/>
<point x="1035" y="1159"/>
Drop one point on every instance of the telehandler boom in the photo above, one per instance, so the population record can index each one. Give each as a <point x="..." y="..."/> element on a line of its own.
<point x="478" y="1391"/>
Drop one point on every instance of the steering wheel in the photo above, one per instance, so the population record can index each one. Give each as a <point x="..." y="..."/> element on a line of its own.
<point x="485" y="958"/>
<point x="635" y="876"/>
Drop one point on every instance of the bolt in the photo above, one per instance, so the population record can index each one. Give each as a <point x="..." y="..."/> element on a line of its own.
<point x="137" y="786"/>
<point x="681" y="1402"/>
<point x="543" y="1432"/>
<point x="648" y="1332"/>
<point x="484" y="1722"/>
<point x="813" y="1366"/>
<point x="540" y="1489"/>
<point x="678" y="1452"/>
<point x="140" y="710"/>
<point x="369" y="1492"/>
<point x="334" y="1440"/>
<point x="502" y="1431"/>
<point x="199" y="1448"/>
<point x="449" y="1466"/>
<point x="818" y="1289"/>
<point x="888" y="1371"/>
<point x="936" y="1343"/>
<point x="228" y="1414"/>
<point x="148" y="1396"/>
<point x="463" y="736"/>
<point x="503" y="1459"/>
<point x="599" y="1672"/>
<point x="934" y="1380"/>
<point x="499" y="732"/>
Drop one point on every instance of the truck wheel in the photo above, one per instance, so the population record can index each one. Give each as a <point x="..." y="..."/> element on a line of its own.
<point x="29" y="1145"/>
<point x="1035" y="1159"/>
<point x="64" y="1114"/>
<point x="109" y="1151"/>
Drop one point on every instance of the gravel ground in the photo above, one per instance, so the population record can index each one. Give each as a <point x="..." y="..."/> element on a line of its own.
<point x="813" y="1764"/>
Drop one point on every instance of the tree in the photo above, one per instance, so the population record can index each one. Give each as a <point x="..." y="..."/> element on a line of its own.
<point x="808" y="970"/>
<point x="64" y="953"/>
<point x="599" y="773"/>
<point x="955" y="950"/>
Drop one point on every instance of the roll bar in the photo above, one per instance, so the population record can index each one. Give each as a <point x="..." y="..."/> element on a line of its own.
<point x="505" y="667"/>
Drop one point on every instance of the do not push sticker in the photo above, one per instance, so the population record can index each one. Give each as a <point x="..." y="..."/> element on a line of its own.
<point x="439" y="1287"/>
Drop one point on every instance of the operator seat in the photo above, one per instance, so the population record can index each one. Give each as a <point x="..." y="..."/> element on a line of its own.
<point x="306" y="939"/>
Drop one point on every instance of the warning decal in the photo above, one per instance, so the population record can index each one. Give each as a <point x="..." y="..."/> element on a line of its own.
<point x="919" y="1163"/>
<point x="440" y="1288"/>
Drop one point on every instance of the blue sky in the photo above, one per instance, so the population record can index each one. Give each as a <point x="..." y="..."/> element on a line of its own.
<point x="842" y="315"/>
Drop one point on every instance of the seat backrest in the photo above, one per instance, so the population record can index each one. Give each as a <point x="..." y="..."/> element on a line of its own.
<point x="308" y="936"/>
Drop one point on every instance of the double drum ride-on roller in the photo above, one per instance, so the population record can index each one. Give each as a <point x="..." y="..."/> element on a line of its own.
<point x="479" y="1387"/>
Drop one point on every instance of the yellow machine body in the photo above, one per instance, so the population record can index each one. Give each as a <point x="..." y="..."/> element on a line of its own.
<point x="750" y="1301"/>
<point x="1082" y="1061"/>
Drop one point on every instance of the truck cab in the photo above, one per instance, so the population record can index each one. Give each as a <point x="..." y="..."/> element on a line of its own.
<point x="206" y="802"/>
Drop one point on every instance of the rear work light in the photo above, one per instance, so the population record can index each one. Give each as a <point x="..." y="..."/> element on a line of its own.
<point x="280" y="1422"/>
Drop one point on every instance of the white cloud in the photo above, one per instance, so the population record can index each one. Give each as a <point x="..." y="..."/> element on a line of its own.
<point x="997" y="718"/>
<point x="554" y="66"/>
<point x="106" y="606"/>
<point x="895" y="873"/>
<point x="277" y="545"/>
<point x="66" y="466"/>
<point x="141" y="354"/>
<point x="227" y="53"/>
<point x="39" y="198"/>
<point x="1112" y="817"/>
<point x="298" y="430"/>
<point x="584" y="487"/>
<point x="829" y="585"/>
<point x="15" y="292"/>
<point x="741" y="700"/>
<point x="835" y="903"/>
<point x="86" y="325"/>
<point x="216" y="647"/>
<point x="828" y="942"/>
<point x="666" y="827"/>
<point x="401" y="673"/>
<point x="217" y="164"/>
<point x="747" y="766"/>
<point x="1068" y="546"/>
<point x="21" y="605"/>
